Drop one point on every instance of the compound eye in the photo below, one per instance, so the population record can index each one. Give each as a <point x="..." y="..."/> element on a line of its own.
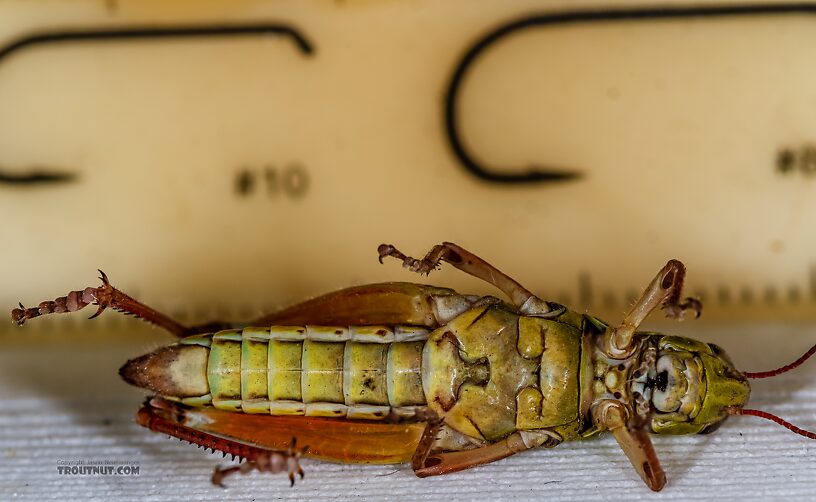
<point x="719" y="352"/>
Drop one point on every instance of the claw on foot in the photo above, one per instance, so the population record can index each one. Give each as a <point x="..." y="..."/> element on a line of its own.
<point x="678" y="310"/>
<point x="18" y="315"/>
<point x="385" y="250"/>
<point x="424" y="266"/>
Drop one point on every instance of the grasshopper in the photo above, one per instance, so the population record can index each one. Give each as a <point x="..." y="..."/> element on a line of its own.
<point x="408" y="373"/>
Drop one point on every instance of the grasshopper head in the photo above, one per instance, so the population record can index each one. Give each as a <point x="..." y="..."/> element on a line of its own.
<point x="693" y="388"/>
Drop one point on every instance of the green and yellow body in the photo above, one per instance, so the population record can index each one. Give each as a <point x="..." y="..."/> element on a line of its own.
<point x="403" y="372"/>
<point x="486" y="372"/>
<point x="364" y="392"/>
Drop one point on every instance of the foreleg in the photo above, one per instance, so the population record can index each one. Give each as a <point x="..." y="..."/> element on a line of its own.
<point x="664" y="291"/>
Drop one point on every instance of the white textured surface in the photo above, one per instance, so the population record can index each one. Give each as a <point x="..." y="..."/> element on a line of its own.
<point x="63" y="400"/>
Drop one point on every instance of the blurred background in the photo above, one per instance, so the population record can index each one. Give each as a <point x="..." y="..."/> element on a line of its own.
<point x="227" y="175"/>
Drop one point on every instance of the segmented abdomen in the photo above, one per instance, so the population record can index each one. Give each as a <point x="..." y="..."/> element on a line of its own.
<point x="365" y="372"/>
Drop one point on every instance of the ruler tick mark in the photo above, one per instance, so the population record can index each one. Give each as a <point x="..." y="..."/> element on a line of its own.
<point x="584" y="290"/>
<point x="813" y="282"/>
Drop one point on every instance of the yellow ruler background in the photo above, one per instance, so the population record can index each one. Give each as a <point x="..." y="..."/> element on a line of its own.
<point x="225" y="176"/>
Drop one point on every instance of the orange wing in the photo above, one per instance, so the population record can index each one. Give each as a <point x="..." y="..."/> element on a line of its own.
<point x="387" y="303"/>
<point x="352" y="441"/>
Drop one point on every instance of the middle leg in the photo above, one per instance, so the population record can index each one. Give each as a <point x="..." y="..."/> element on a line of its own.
<point x="525" y="301"/>
<point x="427" y="464"/>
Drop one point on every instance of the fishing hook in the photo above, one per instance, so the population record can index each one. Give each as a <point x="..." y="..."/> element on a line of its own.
<point x="539" y="174"/>
<point x="132" y="33"/>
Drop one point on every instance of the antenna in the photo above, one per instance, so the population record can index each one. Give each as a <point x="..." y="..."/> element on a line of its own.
<point x="783" y="369"/>
<point x="774" y="418"/>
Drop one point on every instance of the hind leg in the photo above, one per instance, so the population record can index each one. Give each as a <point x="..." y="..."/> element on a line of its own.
<point x="106" y="296"/>
<point x="162" y="416"/>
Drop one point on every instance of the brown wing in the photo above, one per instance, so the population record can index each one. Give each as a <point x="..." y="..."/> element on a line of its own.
<point x="387" y="303"/>
<point x="352" y="441"/>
